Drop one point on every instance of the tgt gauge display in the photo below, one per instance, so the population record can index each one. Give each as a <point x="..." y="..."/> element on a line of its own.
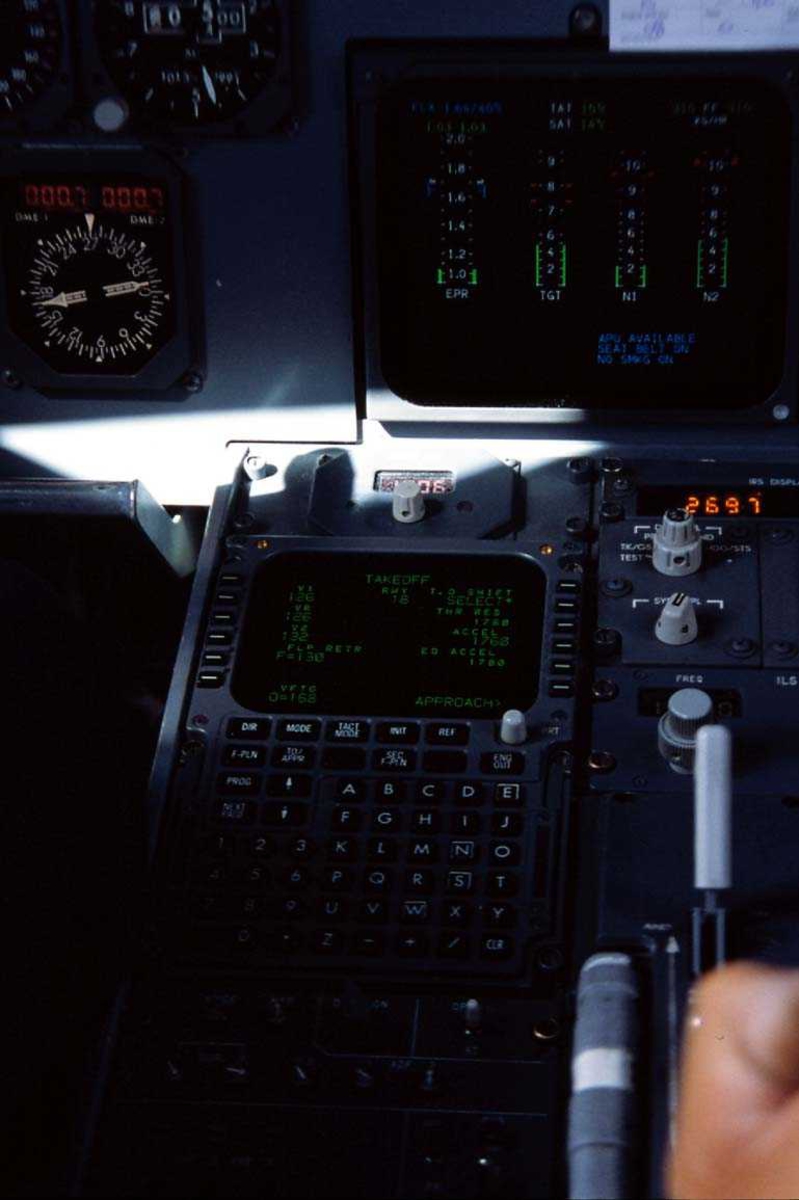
<point x="191" y="62"/>
<point x="89" y="272"/>
<point x="30" y="48"/>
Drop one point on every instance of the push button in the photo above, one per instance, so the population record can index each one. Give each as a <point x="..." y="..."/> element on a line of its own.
<point x="347" y="731"/>
<point x="440" y="734"/>
<point x="398" y="733"/>
<point x="244" y="756"/>
<point x="298" y="730"/>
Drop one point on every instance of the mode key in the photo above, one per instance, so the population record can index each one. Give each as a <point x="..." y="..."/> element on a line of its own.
<point x="298" y="730"/>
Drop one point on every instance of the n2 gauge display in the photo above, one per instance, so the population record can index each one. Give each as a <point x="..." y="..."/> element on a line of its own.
<point x="93" y="273"/>
<point x="193" y="63"/>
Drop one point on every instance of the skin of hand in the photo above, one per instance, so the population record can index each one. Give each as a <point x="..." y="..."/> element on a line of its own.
<point x="737" y="1132"/>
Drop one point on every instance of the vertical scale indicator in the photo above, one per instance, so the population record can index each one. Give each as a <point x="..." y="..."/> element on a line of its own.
<point x="459" y="189"/>
<point x="550" y="200"/>
<point x="632" y="176"/>
<point x="713" y="247"/>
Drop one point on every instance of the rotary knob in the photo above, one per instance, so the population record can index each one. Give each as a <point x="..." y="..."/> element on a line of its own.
<point x="407" y="502"/>
<point x="677" y="544"/>
<point x="688" y="710"/>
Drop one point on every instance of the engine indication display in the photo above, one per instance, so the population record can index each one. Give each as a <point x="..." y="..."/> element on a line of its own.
<point x="582" y="240"/>
<point x="30" y="49"/>
<point x="191" y="62"/>
<point x="89" y="272"/>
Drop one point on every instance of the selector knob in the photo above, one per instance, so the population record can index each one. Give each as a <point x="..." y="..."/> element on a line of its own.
<point x="513" y="728"/>
<point x="407" y="502"/>
<point x="676" y="625"/>
<point x="677" y="544"/>
<point x="688" y="710"/>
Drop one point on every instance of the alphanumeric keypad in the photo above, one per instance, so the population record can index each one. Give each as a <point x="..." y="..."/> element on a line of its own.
<point x="337" y="840"/>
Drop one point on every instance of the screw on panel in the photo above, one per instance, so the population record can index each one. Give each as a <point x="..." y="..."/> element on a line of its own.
<point x="611" y="466"/>
<point x="778" y="537"/>
<point x="577" y="527"/>
<point x="740" y="647"/>
<point x="622" y="485"/>
<point x="604" y="689"/>
<point x="546" y="1030"/>
<point x="782" y="649"/>
<point x="549" y="958"/>
<point x="585" y="21"/>
<point x="580" y="469"/>
<point x="615" y="588"/>
<point x="192" y="381"/>
<point x="611" y="511"/>
<point x="244" y="521"/>
<point x="601" y="762"/>
<point x="11" y="379"/>
<point x="606" y="641"/>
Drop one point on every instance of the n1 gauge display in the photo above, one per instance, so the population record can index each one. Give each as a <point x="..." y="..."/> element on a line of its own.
<point x="190" y="63"/>
<point x="89" y="271"/>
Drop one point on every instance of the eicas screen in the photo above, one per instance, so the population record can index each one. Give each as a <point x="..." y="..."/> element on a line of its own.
<point x="391" y="635"/>
<point x="583" y="242"/>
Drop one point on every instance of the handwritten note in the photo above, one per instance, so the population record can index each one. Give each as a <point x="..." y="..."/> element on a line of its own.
<point x="711" y="25"/>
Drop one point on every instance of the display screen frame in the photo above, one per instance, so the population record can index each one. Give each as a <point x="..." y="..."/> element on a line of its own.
<point x="375" y="71"/>
<point x="760" y="502"/>
<point x="181" y="358"/>
<point x="249" y="677"/>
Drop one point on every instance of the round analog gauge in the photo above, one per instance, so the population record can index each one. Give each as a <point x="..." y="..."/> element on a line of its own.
<point x="30" y="50"/>
<point x="89" y="274"/>
<point x="191" y="62"/>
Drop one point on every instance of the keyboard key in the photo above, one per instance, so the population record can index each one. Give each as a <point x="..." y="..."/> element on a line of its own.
<point x="327" y="941"/>
<point x="297" y="758"/>
<point x="248" y="908"/>
<point x="255" y="876"/>
<point x="415" y="912"/>
<point x="412" y="945"/>
<point x="431" y="791"/>
<point x="298" y="729"/>
<point x="510" y="824"/>
<point x="210" y="906"/>
<point x="351" y="791"/>
<point x="219" y="846"/>
<point x="281" y="941"/>
<point x="387" y="820"/>
<point x="465" y="822"/>
<point x="496" y="947"/>
<point x="239" y="783"/>
<point x="457" y="913"/>
<point x="260" y="846"/>
<point x="377" y="881"/>
<point x="501" y="883"/>
<point x="460" y="881"/>
<point x="462" y="851"/>
<point x="508" y="795"/>
<point x="210" y="679"/>
<point x="343" y="849"/>
<point x="425" y="820"/>
<point x="368" y="945"/>
<point x="343" y="818"/>
<point x="389" y="791"/>
<point x="287" y="908"/>
<point x="421" y="882"/>
<point x="210" y="874"/>
<point x="249" y="727"/>
<point x="297" y="878"/>
<point x="394" y="758"/>
<point x="445" y="762"/>
<point x="347" y="731"/>
<point x="504" y="854"/>
<point x="289" y="785"/>
<point x="331" y="908"/>
<point x="300" y="848"/>
<point x="373" y="911"/>
<point x="453" y="945"/>
<point x="398" y="733"/>
<point x="343" y="758"/>
<point x="500" y="916"/>
<point x="244" y="756"/>
<point x="234" y="812"/>
<point x="444" y="734"/>
<point x="285" y="815"/>
<point x="381" y="850"/>
<point x="502" y="762"/>
<point x="468" y="794"/>
<point x="422" y="851"/>
<point x="337" y="879"/>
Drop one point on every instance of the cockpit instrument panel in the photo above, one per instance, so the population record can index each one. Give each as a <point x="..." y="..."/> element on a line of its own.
<point x="598" y="238"/>
<point x="93" y="267"/>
